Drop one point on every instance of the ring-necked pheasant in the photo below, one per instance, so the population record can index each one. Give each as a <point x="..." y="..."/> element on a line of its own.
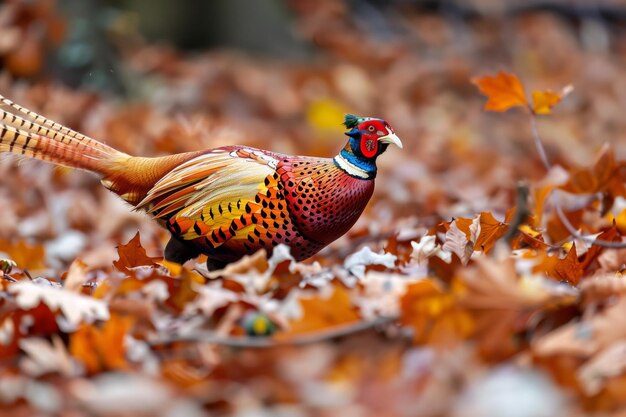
<point x="224" y="202"/>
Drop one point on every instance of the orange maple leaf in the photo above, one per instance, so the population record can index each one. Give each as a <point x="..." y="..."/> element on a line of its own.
<point x="504" y="91"/>
<point x="568" y="269"/>
<point x="434" y="315"/>
<point x="102" y="348"/>
<point x="132" y="255"/>
<point x="603" y="176"/>
<point x="321" y="313"/>
<point x="490" y="230"/>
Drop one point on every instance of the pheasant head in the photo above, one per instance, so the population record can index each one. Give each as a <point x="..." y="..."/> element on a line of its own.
<point x="368" y="138"/>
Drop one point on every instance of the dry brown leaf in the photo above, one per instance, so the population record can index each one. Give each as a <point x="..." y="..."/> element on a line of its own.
<point x="433" y="315"/>
<point x="568" y="269"/>
<point x="489" y="230"/>
<point x="44" y="357"/>
<point x="428" y="247"/>
<point x="587" y="337"/>
<point x="76" y="308"/>
<point x="132" y="255"/>
<point x="76" y="276"/>
<point x="609" y="363"/>
<point x="319" y="312"/>
<point x="458" y="243"/>
<point x="602" y="176"/>
<point x="102" y="348"/>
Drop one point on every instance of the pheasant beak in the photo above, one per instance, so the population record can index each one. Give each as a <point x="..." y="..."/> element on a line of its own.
<point x="391" y="138"/>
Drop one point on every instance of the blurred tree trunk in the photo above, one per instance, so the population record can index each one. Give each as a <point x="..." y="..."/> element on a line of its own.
<point x="258" y="26"/>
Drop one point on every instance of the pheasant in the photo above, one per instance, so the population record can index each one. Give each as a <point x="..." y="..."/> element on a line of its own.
<point x="224" y="202"/>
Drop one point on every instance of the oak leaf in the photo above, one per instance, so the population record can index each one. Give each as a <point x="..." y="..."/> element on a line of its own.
<point x="75" y="307"/>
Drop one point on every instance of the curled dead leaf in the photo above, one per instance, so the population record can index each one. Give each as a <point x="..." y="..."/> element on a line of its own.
<point x="75" y="276"/>
<point x="458" y="243"/>
<point x="75" y="307"/>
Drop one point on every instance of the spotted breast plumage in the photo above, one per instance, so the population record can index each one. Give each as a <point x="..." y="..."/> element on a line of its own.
<point x="225" y="202"/>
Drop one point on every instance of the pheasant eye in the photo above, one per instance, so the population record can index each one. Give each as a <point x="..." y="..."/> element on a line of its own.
<point x="371" y="128"/>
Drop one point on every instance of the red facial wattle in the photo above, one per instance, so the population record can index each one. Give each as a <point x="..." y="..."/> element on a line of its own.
<point x="369" y="145"/>
<point x="371" y="130"/>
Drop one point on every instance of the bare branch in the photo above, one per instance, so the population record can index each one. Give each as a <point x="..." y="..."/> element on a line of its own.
<point x="269" y="342"/>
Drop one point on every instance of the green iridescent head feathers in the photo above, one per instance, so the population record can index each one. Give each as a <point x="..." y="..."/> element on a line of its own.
<point x="351" y="121"/>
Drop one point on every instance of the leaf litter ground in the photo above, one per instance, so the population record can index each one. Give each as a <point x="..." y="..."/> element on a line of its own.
<point x="460" y="292"/>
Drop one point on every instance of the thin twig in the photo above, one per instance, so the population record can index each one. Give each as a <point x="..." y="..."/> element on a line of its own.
<point x="557" y="206"/>
<point x="521" y="212"/>
<point x="8" y="277"/>
<point x="269" y="342"/>
<point x="570" y="228"/>
<point x="538" y="144"/>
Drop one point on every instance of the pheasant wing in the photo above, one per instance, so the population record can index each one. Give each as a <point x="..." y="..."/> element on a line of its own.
<point x="227" y="194"/>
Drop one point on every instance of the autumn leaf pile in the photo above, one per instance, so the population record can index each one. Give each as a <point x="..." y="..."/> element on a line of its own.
<point x="484" y="279"/>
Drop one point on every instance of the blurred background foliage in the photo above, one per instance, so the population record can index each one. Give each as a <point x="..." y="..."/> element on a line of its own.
<point x="84" y="42"/>
<point x="157" y="77"/>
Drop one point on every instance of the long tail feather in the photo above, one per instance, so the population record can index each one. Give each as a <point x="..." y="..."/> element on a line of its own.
<point x="47" y="140"/>
<point x="27" y="133"/>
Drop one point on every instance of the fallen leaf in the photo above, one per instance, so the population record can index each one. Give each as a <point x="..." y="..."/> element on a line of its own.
<point x="426" y="248"/>
<point x="319" y="312"/>
<point x="211" y="296"/>
<point x="566" y="269"/>
<point x="432" y="314"/>
<point x="101" y="348"/>
<point x="132" y="255"/>
<point x="76" y="308"/>
<point x="489" y="230"/>
<point x="602" y="176"/>
<point x="75" y="276"/>
<point x="381" y="294"/>
<point x="44" y="357"/>
<point x="357" y="263"/>
<point x="501" y="302"/>
<point x="587" y="337"/>
<point x="608" y="363"/>
<point x="457" y="242"/>
<point x="25" y="255"/>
